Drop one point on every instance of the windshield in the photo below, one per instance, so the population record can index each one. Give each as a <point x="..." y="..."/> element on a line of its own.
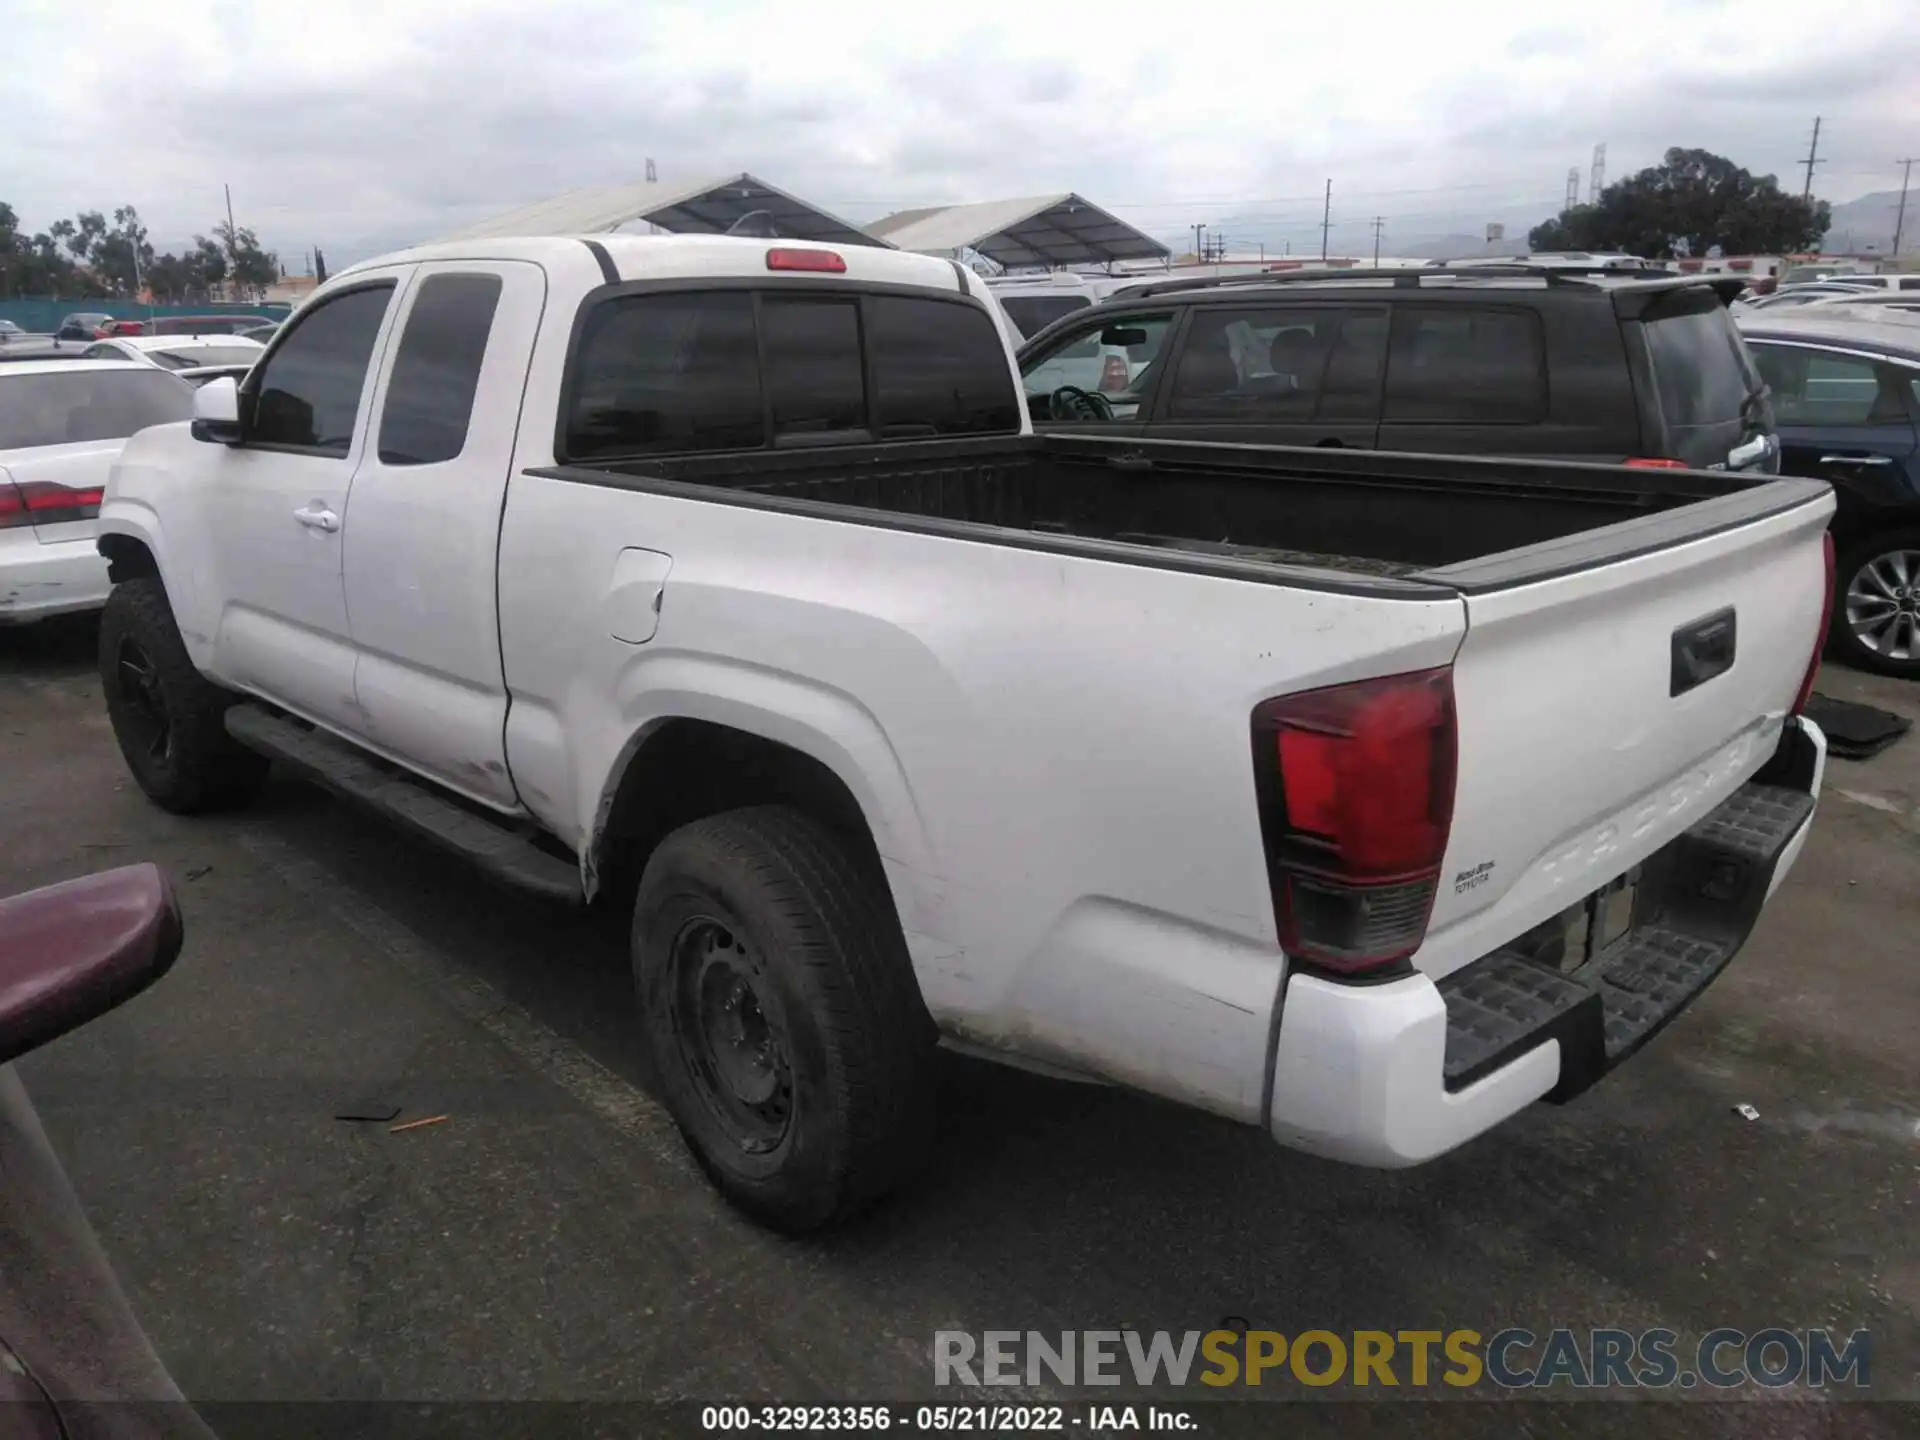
<point x="1031" y="314"/>
<point x="202" y="355"/>
<point x="65" y="409"/>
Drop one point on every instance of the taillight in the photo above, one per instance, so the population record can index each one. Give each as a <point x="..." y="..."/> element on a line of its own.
<point x="1356" y="790"/>
<point x="819" y="261"/>
<point x="1113" y="375"/>
<point x="1820" y="635"/>
<point x="42" y="503"/>
<point x="1647" y="464"/>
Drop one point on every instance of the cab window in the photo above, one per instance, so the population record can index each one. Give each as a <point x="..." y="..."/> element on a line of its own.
<point x="1101" y="372"/>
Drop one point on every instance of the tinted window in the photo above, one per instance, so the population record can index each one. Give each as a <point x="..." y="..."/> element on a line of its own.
<point x="308" y="392"/>
<point x="87" y="405"/>
<point x="1480" y="367"/>
<point x="430" y="393"/>
<point x="660" y="373"/>
<point x="1699" y="374"/>
<point x="1350" y="389"/>
<point x="814" y="377"/>
<point x="1031" y="314"/>
<point x="1817" y="389"/>
<point x="1287" y="364"/>
<point x="939" y="368"/>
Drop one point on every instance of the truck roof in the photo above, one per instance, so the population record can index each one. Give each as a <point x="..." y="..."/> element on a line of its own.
<point x="641" y="257"/>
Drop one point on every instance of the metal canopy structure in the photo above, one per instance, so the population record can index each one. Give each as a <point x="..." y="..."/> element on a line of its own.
<point x="707" y="209"/>
<point x="1039" y="230"/>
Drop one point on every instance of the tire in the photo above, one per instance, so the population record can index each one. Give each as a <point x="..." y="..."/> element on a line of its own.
<point x="782" y="1016"/>
<point x="1884" y="569"/>
<point x="170" y="719"/>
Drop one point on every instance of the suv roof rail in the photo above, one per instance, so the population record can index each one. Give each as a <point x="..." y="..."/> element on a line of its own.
<point x="1410" y="276"/>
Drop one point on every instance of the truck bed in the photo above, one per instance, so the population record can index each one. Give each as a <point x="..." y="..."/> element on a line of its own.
<point x="1358" y="512"/>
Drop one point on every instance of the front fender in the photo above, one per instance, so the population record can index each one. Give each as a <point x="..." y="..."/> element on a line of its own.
<point x="148" y="500"/>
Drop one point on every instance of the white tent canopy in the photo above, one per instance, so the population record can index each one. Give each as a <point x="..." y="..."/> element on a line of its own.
<point x="1038" y="230"/>
<point x="707" y="209"/>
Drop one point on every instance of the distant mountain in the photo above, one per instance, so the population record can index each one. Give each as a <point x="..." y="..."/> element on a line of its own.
<point x="1867" y="223"/>
<point x="1858" y="225"/>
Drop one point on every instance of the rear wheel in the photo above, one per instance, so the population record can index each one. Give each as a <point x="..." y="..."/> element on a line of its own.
<point x="170" y="719"/>
<point x="1876" y="605"/>
<point x="786" y="1029"/>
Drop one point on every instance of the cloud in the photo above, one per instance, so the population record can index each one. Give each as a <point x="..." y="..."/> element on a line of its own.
<point x="360" y="125"/>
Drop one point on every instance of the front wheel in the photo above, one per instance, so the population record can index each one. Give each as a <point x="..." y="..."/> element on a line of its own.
<point x="170" y="719"/>
<point x="781" y="1012"/>
<point x="1876" y="610"/>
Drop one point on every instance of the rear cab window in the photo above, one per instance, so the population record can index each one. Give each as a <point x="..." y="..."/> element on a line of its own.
<point x="694" y="371"/>
<point x="86" y="405"/>
<point x="1705" y="386"/>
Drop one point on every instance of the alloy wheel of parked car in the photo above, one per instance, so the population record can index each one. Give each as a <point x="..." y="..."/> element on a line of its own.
<point x="1879" y="605"/>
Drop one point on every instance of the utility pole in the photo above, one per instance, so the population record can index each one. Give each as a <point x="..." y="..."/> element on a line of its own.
<point x="1813" y="159"/>
<point x="1326" y="219"/>
<point x="1378" y="222"/>
<point x="1900" y="220"/>
<point x="233" y="240"/>
<point x="1597" y="180"/>
<point x="1199" y="239"/>
<point x="1573" y="188"/>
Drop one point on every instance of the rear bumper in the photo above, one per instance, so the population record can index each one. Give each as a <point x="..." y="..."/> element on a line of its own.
<point x="1394" y="1073"/>
<point x="39" y="581"/>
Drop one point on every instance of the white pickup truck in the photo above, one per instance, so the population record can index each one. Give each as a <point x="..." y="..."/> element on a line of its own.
<point x="1365" y="798"/>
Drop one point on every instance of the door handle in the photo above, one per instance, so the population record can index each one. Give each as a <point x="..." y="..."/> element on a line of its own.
<point x="318" y="517"/>
<point x="1856" y="459"/>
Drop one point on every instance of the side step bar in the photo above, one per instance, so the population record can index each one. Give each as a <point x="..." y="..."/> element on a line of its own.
<point x="415" y="805"/>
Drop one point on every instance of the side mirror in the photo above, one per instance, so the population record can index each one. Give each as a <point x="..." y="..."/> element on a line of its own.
<point x="216" y="412"/>
<point x="71" y="952"/>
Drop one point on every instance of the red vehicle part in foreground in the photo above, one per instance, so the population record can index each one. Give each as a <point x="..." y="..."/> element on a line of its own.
<point x="74" y="1361"/>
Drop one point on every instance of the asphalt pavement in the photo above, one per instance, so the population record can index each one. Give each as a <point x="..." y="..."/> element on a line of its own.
<point x="550" y="1240"/>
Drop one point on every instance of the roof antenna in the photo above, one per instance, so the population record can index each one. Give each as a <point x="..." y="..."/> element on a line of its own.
<point x="757" y="224"/>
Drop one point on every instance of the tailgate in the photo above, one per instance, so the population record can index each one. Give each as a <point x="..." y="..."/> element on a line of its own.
<point x="1608" y="705"/>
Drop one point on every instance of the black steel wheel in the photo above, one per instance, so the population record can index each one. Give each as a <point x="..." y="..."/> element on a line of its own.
<point x="782" y="1016"/>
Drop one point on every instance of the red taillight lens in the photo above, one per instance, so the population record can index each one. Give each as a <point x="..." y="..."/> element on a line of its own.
<point x="40" y="503"/>
<point x="1113" y="375"/>
<point x="819" y="261"/>
<point x="1356" y="786"/>
<point x="1643" y="464"/>
<point x="1820" y="635"/>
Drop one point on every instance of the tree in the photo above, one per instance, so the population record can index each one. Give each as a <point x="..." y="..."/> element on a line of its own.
<point x="1686" y="205"/>
<point x="251" y="267"/>
<point x="121" y="255"/>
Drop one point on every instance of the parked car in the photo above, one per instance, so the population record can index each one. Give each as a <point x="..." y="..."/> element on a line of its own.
<point x="9" y="332"/>
<point x="62" y="423"/>
<point x="1792" y="296"/>
<point x="1846" y="394"/>
<point x="86" y="325"/>
<point x="1488" y="360"/>
<point x="260" y="333"/>
<point x="74" y="1360"/>
<point x="1364" y="798"/>
<point x="196" y="359"/>
<point x="1878" y="283"/>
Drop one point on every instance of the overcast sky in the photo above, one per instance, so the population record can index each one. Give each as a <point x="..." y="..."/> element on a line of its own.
<point x="359" y="125"/>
